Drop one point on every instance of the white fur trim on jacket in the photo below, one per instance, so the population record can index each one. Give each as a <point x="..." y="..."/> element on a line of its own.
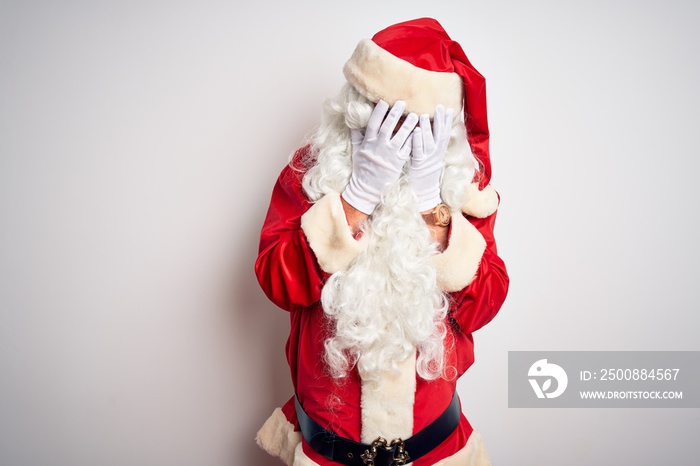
<point x="387" y="406"/>
<point x="326" y="228"/>
<point x="278" y="438"/>
<point x="457" y="265"/>
<point x="300" y="458"/>
<point x="377" y="74"/>
<point x="473" y="454"/>
<point x="480" y="204"/>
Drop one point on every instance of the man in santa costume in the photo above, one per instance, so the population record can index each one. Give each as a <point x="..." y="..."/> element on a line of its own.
<point x="379" y="242"/>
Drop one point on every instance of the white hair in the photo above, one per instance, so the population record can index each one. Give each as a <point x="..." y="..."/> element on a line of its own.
<point x="386" y="304"/>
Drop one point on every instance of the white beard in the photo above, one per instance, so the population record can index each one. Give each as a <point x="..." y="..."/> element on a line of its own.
<point x="387" y="304"/>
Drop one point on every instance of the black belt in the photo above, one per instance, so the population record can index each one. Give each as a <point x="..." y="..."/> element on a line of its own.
<point x="380" y="452"/>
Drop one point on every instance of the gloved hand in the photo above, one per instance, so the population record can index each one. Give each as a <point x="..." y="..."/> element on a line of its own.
<point x="379" y="156"/>
<point x="428" y="155"/>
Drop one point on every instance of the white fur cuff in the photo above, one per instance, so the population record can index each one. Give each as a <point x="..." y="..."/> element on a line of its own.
<point x="326" y="228"/>
<point x="377" y="74"/>
<point x="480" y="204"/>
<point x="457" y="265"/>
<point x="278" y="438"/>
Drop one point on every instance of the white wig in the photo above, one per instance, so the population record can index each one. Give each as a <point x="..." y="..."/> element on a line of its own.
<point x="386" y="304"/>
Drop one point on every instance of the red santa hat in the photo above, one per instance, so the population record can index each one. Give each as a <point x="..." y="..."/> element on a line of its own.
<point x="417" y="62"/>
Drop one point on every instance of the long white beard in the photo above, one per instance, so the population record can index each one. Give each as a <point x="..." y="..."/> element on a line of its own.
<point x="387" y="305"/>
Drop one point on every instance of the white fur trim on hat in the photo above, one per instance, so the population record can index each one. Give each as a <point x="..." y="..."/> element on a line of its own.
<point x="278" y="438"/>
<point x="480" y="204"/>
<point x="326" y="228"/>
<point x="473" y="454"/>
<point x="387" y="405"/>
<point x="377" y="74"/>
<point x="457" y="265"/>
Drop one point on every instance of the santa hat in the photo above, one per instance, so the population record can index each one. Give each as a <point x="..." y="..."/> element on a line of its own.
<point x="417" y="62"/>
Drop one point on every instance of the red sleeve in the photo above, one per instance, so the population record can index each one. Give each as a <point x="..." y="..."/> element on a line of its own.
<point x="477" y="304"/>
<point x="286" y="266"/>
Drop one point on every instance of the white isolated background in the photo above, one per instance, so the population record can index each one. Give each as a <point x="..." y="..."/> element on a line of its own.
<point x="139" y="143"/>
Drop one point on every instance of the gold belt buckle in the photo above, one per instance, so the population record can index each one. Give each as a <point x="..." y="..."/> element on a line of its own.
<point x="397" y="445"/>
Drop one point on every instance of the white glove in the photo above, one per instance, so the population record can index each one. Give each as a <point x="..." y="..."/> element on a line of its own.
<point x="378" y="157"/>
<point x="429" y="147"/>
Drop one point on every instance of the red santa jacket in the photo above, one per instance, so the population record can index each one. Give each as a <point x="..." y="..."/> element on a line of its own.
<point x="300" y="245"/>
